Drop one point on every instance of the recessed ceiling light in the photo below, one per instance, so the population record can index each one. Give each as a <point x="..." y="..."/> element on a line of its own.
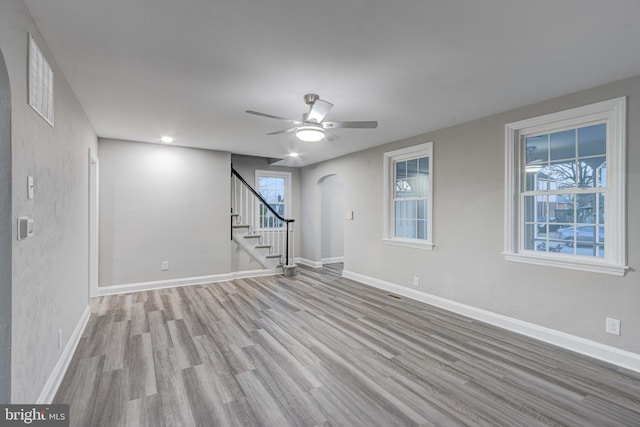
<point x="293" y="154"/>
<point x="166" y="139"/>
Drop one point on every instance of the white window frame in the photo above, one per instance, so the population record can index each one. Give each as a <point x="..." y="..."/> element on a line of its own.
<point x="388" y="236"/>
<point x="287" y="195"/>
<point x="613" y="113"/>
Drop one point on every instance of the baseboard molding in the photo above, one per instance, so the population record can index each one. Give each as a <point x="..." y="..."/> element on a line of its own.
<point x="186" y="281"/>
<point x="606" y="353"/>
<point x="254" y="273"/>
<point x="332" y="260"/>
<point x="162" y="284"/>
<point x="57" y="374"/>
<point x="308" y="262"/>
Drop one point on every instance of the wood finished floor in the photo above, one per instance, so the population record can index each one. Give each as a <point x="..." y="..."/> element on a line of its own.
<point x="319" y="350"/>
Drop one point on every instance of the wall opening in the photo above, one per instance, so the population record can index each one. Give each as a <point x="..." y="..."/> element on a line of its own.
<point x="332" y="219"/>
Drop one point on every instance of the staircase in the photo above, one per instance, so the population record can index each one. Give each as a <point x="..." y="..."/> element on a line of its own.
<point x="259" y="230"/>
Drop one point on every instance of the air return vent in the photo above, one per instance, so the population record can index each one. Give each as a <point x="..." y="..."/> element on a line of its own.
<point x="40" y="82"/>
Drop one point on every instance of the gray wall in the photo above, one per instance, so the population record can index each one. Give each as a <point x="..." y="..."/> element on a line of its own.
<point x="50" y="289"/>
<point x="5" y="234"/>
<point x="466" y="264"/>
<point x="333" y="217"/>
<point x="162" y="203"/>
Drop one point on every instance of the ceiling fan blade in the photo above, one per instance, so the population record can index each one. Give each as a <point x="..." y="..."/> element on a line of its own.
<point x="330" y="137"/>
<point x="350" y="125"/>
<point x="270" y="116"/>
<point x="319" y="110"/>
<point x="288" y="130"/>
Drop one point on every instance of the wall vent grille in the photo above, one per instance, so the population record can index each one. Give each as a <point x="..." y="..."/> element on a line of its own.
<point x="40" y="82"/>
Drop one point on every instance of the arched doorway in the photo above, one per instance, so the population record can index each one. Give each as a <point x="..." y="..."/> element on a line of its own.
<point x="332" y="220"/>
<point x="5" y="234"/>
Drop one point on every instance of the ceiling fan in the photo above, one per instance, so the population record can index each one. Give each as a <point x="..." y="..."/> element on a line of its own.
<point x="312" y="128"/>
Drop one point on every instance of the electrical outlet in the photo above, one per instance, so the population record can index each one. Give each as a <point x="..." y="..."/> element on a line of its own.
<point x="612" y="326"/>
<point x="165" y="265"/>
<point x="416" y="281"/>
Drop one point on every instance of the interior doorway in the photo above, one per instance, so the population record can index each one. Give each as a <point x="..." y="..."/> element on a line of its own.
<point x="6" y="240"/>
<point x="332" y="220"/>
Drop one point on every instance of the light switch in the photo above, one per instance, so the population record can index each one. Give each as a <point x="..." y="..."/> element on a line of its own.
<point x="349" y="215"/>
<point x="30" y="188"/>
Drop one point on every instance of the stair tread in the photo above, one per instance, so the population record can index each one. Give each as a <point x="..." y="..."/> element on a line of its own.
<point x="240" y="226"/>
<point x="262" y="246"/>
<point x="273" y="256"/>
<point x="252" y="236"/>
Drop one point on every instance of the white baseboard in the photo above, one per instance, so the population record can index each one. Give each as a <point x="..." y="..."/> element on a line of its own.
<point x="254" y="273"/>
<point x="308" y="262"/>
<point x="332" y="260"/>
<point x="616" y="356"/>
<point x="186" y="281"/>
<point x="162" y="284"/>
<point x="57" y="374"/>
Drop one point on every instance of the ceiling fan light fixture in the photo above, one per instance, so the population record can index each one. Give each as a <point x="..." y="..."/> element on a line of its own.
<point x="310" y="133"/>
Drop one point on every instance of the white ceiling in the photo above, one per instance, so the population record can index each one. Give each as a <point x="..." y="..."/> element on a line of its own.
<point x="146" y="68"/>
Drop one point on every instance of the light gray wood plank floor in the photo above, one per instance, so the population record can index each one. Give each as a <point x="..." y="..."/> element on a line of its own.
<point x="320" y="350"/>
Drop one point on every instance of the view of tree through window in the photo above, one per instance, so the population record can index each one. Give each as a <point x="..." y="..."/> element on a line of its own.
<point x="563" y="194"/>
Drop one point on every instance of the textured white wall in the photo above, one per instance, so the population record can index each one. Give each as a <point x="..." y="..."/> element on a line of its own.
<point x="50" y="289"/>
<point x="333" y="217"/>
<point x="5" y="234"/>
<point x="162" y="203"/>
<point x="466" y="264"/>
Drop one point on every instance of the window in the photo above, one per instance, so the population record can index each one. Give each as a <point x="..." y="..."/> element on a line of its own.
<point x="408" y="197"/>
<point x="565" y="201"/>
<point x="275" y="189"/>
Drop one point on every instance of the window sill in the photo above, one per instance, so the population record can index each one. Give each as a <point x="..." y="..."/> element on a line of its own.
<point x="589" y="264"/>
<point x="408" y="244"/>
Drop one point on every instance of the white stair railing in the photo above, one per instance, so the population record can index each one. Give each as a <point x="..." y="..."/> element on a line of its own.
<point x="249" y="208"/>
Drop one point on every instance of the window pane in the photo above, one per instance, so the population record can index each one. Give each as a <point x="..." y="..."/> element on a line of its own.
<point x="563" y="208"/>
<point x="588" y="171"/>
<point x="592" y="140"/>
<point x="600" y="209"/>
<point x="400" y="228"/>
<point x="586" y="234"/>
<point x="423" y="165"/>
<point x="537" y="149"/>
<point x="412" y="168"/>
<point x="422" y="209"/>
<point x="562" y="175"/>
<point x="601" y="175"/>
<point x="412" y="187"/>
<point x="422" y="229"/>
<point x="410" y="230"/>
<point x="586" y="208"/>
<point x="535" y="208"/>
<point x="563" y="145"/>
<point x="401" y="170"/>
<point x="529" y="236"/>
<point x="423" y="177"/>
<point x="401" y="209"/>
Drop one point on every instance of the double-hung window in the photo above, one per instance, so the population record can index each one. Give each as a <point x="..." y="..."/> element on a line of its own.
<point x="408" y="196"/>
<point x="565" y="189"/>
<point x="275" y="189"/>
